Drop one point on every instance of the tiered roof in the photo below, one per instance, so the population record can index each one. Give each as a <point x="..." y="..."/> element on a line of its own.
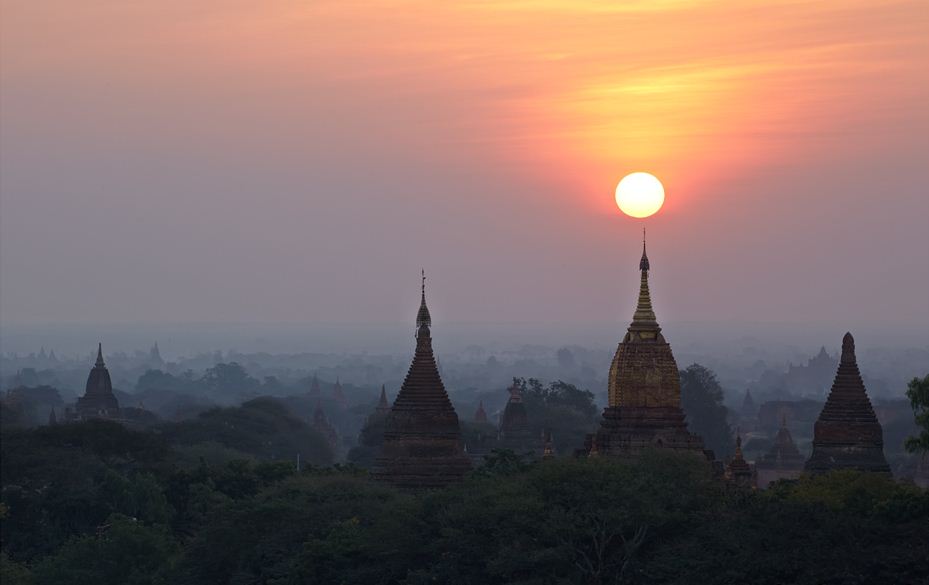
<point x="480" y="416"/>
<point x="847" y="434"/>
<point x="422" y="441"/>
<point x="515" y="433"/>
<point x="98" y="399"/>
<point x="644" y="387"/>
<point x="739" y="471"/>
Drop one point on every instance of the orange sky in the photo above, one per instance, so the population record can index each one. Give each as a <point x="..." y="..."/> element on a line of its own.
<point x="294" y="123"/>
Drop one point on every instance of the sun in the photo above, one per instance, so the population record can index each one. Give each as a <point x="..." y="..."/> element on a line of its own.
<point x="639" y="195"/>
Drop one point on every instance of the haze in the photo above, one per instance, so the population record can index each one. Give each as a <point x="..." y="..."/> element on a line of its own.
<point x="298" y="162"/>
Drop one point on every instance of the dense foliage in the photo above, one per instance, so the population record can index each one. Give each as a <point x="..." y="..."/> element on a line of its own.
<point x="562" y="409"/>
<point x="918" y="393"/>
<point x="702" y="401"/>
<point x="97" y="503"/>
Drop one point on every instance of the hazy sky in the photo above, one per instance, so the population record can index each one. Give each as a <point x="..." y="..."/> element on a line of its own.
<point x="300" y="160"/>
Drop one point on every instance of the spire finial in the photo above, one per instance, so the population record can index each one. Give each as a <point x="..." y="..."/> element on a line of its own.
<point x="422" y="317"/>
<point x="643" y="263"/>
<point x="99" y="355"/>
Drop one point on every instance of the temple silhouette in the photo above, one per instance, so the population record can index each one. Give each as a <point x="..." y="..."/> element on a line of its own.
<point x="644" y="408"/>
<point x="422" y="445"/>
<point x="847" y="434"/>
<point x="98" y="400"/>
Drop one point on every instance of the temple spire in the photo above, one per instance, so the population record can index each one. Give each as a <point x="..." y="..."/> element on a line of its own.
<point x="99" y="363"/>
<point x="423" y="319"/>
<point x="644" y="314"/>
<point x="382" y="404"/>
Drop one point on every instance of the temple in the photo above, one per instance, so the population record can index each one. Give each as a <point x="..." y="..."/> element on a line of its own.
<point x="738" y="471"/>
<point x="782" y="461"/>
<point x="515" y="433"/>
<point x="337" y="394"/>
<point x="371" y="436"/>
<point x="314" y="387"/>
<point x="98" y="400"/>
<point x="480" y="416"/>
<point x="324" y="427"/>
<point x="847" y="434"/>
<point x="422" y="440"/>
<point x="644" y="408"/>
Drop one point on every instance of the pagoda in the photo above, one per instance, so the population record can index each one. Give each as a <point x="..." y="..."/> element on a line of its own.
<point x="422" y="440"/>
<point x="480" y="416"/>
<point x="782" y="461"/>
<point x="383" y="407"/>
<point x="739" y="472"/>
<point x="324" y="427"/>
<point x="337" y="394"/>
<point x="515" y="433"/>
<point x="98" y="400"/>
<point x="314" y="387"/>
<point x="847" y="434"/>
<point x="644" y="402"/>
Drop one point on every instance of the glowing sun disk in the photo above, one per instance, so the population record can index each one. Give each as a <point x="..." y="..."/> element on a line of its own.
<point x="639" y="195"/>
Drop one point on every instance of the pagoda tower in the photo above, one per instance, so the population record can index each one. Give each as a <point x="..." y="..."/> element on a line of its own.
<point x="337" y="394"/>
<point x="383" y="407"/>
<point x="314" y="386"/>
<point x="98" y="400"/>
<point x="422" y="440"/>
<point x="644" y="408"/>
<point x="782" y="461"/>
<point x="480" y="416"/>
<point x="847" y="434"/>
<point x="739" y="471"/>
<point x="515" y="433"/>
<point x="324" y="427"/>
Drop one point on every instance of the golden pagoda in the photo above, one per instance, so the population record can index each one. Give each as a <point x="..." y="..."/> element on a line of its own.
<point x="644" y="409"/>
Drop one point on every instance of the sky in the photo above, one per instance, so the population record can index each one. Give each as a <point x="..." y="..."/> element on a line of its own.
<point x="299" y="161"/>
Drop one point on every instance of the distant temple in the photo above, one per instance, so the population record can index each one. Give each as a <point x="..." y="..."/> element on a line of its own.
<point x="644" y="408"/>
<point x="337" y="394"/>
<point x="314" y="387"/>
<point x="98" y="400"/>
<point x="371" y="436"/>
<point x="383" y="407"/>
<point x="422" y="440"/>
<point x="515" y="433"/>
<point x="738" y="471"/>
<point x="480" y="416"/>
<point x="782" y="461"/>
<point x="322" y="425"/>
<point x="154" y="357"/>
<point x="847" y="434"/>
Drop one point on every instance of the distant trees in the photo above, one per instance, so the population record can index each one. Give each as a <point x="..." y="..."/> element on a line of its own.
<point x="568" y="412"/>
<point x="702" y="401"/>
<point x="262" y="428"/>
<point x="918" y="393"/>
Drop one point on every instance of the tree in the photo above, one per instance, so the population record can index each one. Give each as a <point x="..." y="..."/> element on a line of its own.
<point x="702" y="401"/>
<point x="122" y="550"/>
<point x="918" y="393"/>
<point x="263" y="428"/>
<point x="563" y="409"/>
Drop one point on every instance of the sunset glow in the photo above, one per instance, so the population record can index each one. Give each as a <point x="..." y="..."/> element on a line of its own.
<point x="297" y="123"/>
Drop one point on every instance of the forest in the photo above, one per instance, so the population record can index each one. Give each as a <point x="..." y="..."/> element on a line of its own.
<point x="97" y="503"/>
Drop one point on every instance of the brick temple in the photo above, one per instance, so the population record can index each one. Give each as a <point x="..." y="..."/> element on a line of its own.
<point x="847" y="434"/>
<point x="422" y="439"/>
<point x="644" y="408"/>
<point x="98" y="400"/>
<point x="782" y="461"/>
